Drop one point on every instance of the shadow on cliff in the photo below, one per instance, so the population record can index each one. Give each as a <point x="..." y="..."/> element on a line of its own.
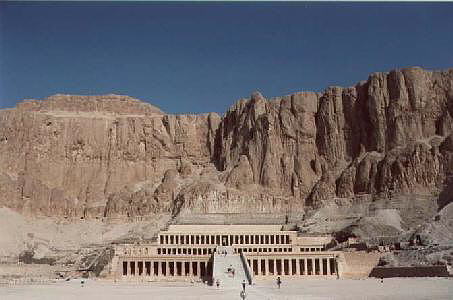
<point x="446" y="196"/>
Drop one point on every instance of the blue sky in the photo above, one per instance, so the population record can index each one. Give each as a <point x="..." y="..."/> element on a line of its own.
<point x="189" y="57"/>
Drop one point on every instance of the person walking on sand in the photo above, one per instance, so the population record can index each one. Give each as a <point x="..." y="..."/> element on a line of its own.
<point x="279" y="282"/>
<point x="217" y="283"/>
<point x="243" y="285"/>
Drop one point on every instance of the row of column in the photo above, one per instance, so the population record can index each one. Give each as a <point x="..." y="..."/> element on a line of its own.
<point x="185" y="251"/>
<point x="225" y="240"/>
<point x="292" y="266"/>
<point x="264" y="250"/>
<point x="167" y="268"/>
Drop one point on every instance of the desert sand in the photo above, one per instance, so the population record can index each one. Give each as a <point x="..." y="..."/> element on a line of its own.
<point x="395" y="288"/>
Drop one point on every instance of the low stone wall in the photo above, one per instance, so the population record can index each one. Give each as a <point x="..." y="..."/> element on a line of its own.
<point x="428" y="271"/>
<point x="357" y="264"/>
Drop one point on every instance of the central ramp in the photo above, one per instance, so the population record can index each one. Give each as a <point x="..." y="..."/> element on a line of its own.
<point x="225" y="260"/>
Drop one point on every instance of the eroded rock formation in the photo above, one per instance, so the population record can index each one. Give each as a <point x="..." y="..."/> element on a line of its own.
<point x="115" y="156"/>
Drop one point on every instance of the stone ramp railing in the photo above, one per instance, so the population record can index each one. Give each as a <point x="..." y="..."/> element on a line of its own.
<point x="248" y="271"/>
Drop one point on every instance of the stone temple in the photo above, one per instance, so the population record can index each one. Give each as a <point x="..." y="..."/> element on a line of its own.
<point x="227" y="253"/>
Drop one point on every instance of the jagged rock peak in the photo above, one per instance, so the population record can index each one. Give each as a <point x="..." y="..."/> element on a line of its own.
<point x="110" y="103"/>
<point x="256" y="96"/>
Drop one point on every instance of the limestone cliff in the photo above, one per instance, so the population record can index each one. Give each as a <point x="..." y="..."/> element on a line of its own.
<point x="115" y="156"/>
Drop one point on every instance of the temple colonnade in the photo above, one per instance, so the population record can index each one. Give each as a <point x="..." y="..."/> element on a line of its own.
<point x="223" y="239"/>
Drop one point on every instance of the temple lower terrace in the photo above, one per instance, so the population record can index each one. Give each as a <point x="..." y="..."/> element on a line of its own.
<point x="227" y="253"/>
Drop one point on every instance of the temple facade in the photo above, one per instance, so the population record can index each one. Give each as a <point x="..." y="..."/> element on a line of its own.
<point x="208" y="252"/>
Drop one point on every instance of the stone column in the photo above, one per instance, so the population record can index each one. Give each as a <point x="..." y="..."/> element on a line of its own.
<point x="190" y="268"/>
<point x="328" y="266"/>
<point x="298" y="266"/>
<point x="183" y="268"/>
<point x="290" y="266"/>
<point x="159" y="268"/>
<point x="313" y="266"/>
<point x="198" y="269"/>
<point x="321" y="266"/>
<point x="259" y="267"/>
<point x="275" y="266"/>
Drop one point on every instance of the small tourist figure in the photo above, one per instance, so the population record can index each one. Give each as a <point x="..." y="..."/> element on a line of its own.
<point x="243" y="295"/>
<point x="243" y="285"/>
<point x="279" y="282"/>
<point x="217" y="283"/>
<point x="232" y="272"/>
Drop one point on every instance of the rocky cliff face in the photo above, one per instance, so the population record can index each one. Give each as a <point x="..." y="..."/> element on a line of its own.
<point x="115" y="156"/>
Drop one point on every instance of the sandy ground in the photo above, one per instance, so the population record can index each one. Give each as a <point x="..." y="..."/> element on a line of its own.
<point x="396" y="288"/>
